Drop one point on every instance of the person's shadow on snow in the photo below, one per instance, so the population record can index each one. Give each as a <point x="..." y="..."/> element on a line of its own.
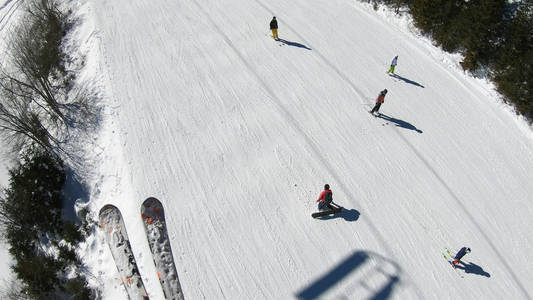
<point x="472" y="268"/>
<point x="294" y="44"/>
<point x="399" y="123"/>
<point x="349" y="215"/>
<point x="406" y="80"/>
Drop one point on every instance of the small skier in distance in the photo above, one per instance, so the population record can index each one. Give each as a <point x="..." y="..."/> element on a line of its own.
<point x="274" y="28"/>
<point x="325" y="199"/>
<point x="460" y="255"/>
<point x="393" y="64"/>
<point x="379" y="100"/>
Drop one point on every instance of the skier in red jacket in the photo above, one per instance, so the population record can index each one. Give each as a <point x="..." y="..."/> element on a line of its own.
<point x="379" y="101"/>
<point x="325" y="199"/>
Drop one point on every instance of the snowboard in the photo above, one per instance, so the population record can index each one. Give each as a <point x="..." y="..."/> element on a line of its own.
<point x="153" y="217"/>
<point x="326" y="212"/>
<point x="117" y="239"/>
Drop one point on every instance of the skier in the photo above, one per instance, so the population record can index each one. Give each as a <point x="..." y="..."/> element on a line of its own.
<point x="393" y="64"/>
<point x="325" y="199"/>
<point x="274" y="28"/>
<point x="460" y="255"/>
<point x="379" y="100"/>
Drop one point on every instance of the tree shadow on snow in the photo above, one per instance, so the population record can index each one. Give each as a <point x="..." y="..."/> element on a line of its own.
<point x="472" y="268"/>
<point x="399" y="123"/>
<point x="350" y="215"/>
<point x="294" y="44"/>
<point x="406" y="80"/>
<point x="75" y="193"/>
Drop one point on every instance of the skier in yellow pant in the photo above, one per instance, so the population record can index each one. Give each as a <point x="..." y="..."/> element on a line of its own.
<point x="274" y="28"/>
<point x="393" y="64"/>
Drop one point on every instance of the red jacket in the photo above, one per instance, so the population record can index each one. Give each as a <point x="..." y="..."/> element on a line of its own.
<point x="381" y="98"/>
<point x="323" y="195"/>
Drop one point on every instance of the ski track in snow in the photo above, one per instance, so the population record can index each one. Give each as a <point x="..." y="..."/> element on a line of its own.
<point x="236" y="135"/>
<point x="288" y="116"/>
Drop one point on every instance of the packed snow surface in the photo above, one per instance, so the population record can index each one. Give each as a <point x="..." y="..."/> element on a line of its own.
<point x="236" y="134"/>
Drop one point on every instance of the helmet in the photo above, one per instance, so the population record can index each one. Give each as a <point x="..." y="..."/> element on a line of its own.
<point x="385" y="91"/>
<point x="326" y="187"/>
<point x="467" y="250"/>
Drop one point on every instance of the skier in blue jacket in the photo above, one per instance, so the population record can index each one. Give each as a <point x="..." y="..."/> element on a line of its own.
<point x="460" y="255"/>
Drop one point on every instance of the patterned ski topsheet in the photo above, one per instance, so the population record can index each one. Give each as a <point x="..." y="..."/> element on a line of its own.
<point x="153" y="217"/>
<point x="117" y="239"/>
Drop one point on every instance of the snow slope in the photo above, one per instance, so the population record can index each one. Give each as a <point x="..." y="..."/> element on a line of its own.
<point x="236" y="134"/>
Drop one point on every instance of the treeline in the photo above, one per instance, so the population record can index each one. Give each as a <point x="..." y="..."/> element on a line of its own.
<point x="495" y="37"/>
<point x="41" y="106"/>
<point x="42" y="243"/>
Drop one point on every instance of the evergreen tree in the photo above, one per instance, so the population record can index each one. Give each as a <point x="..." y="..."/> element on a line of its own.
<point x="40" y="241"/>
<point x="437" y="18"/>
<point x="513" y="73"/>
<point x="481" y="24"/>
<point x="493" y="35"/>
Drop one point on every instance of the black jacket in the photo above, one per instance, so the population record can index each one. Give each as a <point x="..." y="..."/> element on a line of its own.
<point x="274" y="24"/>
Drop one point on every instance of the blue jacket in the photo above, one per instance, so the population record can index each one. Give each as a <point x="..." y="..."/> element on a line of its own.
<point x="461" y="253"/>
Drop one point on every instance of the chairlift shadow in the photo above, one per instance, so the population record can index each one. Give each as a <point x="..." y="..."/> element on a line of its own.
<point x="387" y="290"/>
<point x="346" y="270"/>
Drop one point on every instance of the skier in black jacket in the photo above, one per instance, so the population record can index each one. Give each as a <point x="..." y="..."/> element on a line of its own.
<point x="274" y="28"/>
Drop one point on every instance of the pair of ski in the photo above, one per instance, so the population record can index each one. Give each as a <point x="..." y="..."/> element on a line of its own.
<point x="153" y="217"/>
<point x="448" y="256"/>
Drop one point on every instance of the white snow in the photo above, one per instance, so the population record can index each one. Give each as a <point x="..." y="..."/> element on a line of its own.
<point x="237" y="135"/>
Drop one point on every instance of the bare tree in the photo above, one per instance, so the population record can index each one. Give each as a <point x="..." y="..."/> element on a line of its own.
<point x="39" y="100"/>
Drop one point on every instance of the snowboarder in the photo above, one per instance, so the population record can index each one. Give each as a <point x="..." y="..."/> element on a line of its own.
<point x="325" y="199"/>
<point x="274" y="28"/>
<point x="379" y="100"/>
<point x="393" y="64"/>
<point x="460" y="255"/>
